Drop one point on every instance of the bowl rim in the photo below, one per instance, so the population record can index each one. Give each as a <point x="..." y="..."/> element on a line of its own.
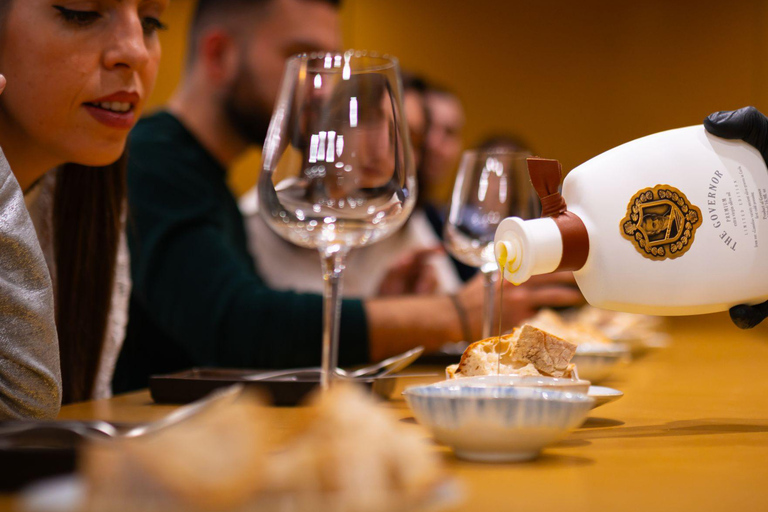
<point x="454" y="393"/>
<point x="548" y="382"/>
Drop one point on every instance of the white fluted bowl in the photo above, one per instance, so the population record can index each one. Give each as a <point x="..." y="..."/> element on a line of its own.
<point x="497" y="424"/>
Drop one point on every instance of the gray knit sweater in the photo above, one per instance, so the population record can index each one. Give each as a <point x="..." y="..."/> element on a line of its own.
<point x="30" y="376"/>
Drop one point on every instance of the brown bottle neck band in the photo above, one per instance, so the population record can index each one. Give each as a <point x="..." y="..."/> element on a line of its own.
<point x="575" y="241"/>
<point x="545" y="177"/>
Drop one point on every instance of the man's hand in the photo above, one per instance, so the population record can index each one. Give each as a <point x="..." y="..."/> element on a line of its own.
<point x="749" y="125"/>
<point x="412" y="274"/>
<point x="520" y="302"/>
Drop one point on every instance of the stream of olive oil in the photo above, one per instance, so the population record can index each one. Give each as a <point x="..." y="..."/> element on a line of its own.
<point x="501" y="307"/>
<point x="502" y="262"/>
<point x="505" y="263"/>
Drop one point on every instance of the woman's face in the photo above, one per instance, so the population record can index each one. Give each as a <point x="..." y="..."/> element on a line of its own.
<point x="79" y="73"/>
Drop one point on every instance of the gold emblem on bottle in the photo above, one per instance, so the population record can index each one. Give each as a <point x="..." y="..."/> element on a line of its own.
<point x="660" y="222"/>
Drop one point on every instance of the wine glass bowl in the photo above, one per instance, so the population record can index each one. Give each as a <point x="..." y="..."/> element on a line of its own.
<point x="490" y="186"/>
<point x="337" y="166"/>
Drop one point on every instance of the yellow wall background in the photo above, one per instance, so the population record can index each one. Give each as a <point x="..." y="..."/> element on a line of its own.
<point x="572" y="78"/>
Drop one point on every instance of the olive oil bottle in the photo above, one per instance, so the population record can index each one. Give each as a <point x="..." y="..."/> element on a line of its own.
<point x="675" y="223"/>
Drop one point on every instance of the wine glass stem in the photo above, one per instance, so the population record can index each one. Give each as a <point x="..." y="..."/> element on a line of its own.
<point x="332" y="260"/>
<point x="490" y="281"/>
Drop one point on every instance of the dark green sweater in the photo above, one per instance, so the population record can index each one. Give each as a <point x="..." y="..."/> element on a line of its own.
<point x="197" y="299"/>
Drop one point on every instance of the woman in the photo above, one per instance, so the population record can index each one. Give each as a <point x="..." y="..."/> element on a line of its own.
<point x="78" y="75"/>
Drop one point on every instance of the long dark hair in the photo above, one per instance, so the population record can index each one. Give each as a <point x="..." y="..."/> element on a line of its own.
<point x="88" y="206"/>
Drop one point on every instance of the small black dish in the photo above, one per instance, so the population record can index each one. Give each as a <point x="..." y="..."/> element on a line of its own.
<point x="286" y="390"/>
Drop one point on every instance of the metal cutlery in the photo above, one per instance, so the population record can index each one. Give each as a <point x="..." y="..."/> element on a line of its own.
<point x="387" y="366"/>
<point x="47" y="433"/>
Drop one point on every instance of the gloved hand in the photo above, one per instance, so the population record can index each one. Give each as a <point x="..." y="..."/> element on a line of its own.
<point x="749" y="125"/>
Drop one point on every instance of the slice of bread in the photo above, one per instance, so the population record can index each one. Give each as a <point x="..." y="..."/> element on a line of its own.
<point x="356" y="450"/>
<point x="526" y="351"/>
<point x="549" y="354"/>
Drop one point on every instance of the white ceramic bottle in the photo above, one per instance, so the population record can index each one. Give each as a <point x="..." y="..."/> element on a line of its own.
<point x="675" y="223"/>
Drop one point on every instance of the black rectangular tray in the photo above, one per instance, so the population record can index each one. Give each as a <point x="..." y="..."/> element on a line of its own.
<point x="190" y="385"/>
<point x="439" y="358"/>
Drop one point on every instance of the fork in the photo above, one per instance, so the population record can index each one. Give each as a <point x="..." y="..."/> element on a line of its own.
<point x="101" y="429"/>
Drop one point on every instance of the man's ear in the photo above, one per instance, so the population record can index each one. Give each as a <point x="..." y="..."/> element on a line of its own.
<point x="219" y="54"/>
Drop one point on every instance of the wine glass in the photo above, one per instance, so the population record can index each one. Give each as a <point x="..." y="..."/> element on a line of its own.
<point x="337" y="166"/>
<point x="490" y="186"/>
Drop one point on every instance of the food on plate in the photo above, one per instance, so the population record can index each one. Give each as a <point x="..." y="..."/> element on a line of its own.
<point x="215" y="460"/>
<point x="593" y="328"/>
<point x="576" y="331"/>
<point x="633" y="329"/>
<point x="356" y="448"/>
<point x="353" y="455"/>
<point x="528" y="350"/>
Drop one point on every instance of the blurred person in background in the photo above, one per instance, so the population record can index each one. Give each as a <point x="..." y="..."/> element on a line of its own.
<point x="78" y="76"/>
<point x="198" y="298"/>
<point x="443" y="145"/>
<point x="416" y="116"/>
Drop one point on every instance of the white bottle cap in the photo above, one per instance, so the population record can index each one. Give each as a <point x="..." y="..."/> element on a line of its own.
<point x="528" y="247"/>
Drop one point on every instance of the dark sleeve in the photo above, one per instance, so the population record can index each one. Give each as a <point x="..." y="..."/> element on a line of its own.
<point x="201" y="290"/>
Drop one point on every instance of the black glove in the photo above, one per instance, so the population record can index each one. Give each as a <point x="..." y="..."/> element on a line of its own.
<point x="749" y="125"/>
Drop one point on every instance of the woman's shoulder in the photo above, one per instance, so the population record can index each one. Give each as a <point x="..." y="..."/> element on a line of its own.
<point x="6" y="176"/>
<point x="12" y="203"/>
<point x="29" y="341"/>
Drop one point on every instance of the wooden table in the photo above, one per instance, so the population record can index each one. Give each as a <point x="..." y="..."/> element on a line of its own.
<point x="691" y="433"/>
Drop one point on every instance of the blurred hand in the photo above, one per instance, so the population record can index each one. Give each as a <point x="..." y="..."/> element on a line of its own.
<point x="749" y="125"/>
<point x="2" y="84"/>
<point x="520" y="302"/>
<point x="412" y="274"/>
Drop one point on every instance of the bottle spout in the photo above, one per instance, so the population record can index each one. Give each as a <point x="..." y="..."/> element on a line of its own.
<point x="509" y="255"/>
<point x="524" y="248"/>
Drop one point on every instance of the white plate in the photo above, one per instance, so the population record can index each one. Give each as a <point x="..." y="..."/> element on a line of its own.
<point x="68" y="494"/>
<point x="614" y="349"/>
<point x="603" y="395"/>
<point x="61" y="494"/>
<point x="642" y="345"/>
<point x="594" y="362"/>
